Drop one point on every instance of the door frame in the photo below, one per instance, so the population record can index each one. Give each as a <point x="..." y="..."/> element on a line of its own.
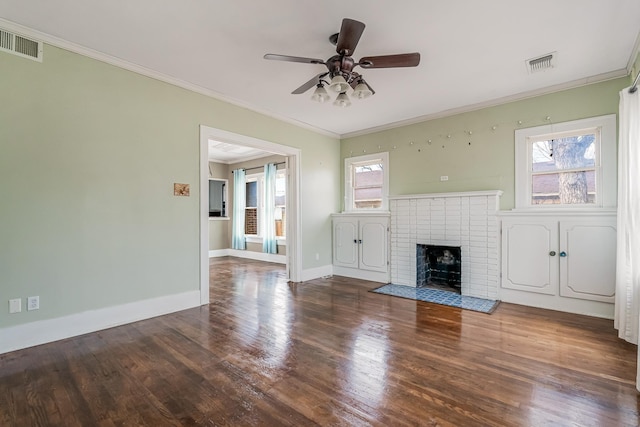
<point x="293" y="228"/>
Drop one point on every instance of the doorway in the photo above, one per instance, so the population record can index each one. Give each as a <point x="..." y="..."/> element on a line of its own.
<point x="294" y="240"/>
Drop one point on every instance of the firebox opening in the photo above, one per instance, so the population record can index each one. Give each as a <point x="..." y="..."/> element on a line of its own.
<point x="439" y="267"/>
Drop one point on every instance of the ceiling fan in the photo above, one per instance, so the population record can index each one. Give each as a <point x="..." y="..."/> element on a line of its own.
<point x="340" y="67"/>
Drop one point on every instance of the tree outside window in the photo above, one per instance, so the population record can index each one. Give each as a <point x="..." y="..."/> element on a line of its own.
<point x="563" y="170"/>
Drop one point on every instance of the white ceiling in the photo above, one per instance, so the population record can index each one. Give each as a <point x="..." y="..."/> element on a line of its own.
<point x="223" y="152"/>
<point x="473" y="52"/>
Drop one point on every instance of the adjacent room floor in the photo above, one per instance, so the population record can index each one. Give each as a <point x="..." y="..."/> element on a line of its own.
<point x="326" y="352"/>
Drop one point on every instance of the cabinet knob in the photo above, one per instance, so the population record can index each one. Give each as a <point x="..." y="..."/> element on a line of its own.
<point x="552" y="253"/>
<point x="563" y="254"/>
<point x="355" y="241"/>
<point x="360" y="241"/>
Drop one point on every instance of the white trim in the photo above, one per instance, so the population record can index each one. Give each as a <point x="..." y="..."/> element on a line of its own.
<point x="204" y="216"/>
<point x="258" y="256"/>
<point x="356" y="273"/>
<point x="294" y="233"/>
<point x="317" y="272"/>
<point x="215" y="253"/>
<point x="348" y="189"/>
<point x="605" y="162"/>
<point x="634" y="53"/>
<point x="492" y="103"/>
<point x="439" y="195"/>
<point x="120" y="63"/>
<point x="553" y="302"/>
<point x="45" y="331"/>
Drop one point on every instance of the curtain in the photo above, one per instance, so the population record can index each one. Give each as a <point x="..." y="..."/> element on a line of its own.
<point x="239" y="189"/>
<point x="269" y="233"/>
<point x="627" y="307"/>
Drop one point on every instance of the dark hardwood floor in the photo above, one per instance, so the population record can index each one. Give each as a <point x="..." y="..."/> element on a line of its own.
<point x="326" y="352"/>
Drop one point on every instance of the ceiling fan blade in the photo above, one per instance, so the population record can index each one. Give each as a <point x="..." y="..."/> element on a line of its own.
<point x="349" y="36"/>
<point x="391" y="61"/>
<point x="308" y="85"/>
<point x="288" y="58"/>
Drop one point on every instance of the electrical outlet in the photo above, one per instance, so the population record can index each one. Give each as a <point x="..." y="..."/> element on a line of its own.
<point x="317" y="256"/>
<point x="33" y="303"/>
<point x="15" y="305"/>
<point x="444" y="178"/>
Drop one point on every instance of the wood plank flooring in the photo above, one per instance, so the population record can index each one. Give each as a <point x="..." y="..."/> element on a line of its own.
<point x="326" y="352"/>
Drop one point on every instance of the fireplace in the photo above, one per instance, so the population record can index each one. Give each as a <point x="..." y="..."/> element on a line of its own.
<point x="439" y="267"/>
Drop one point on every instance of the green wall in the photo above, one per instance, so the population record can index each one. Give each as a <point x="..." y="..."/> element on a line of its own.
<point x="476" y="149"/>
<point x="88" y="156"/>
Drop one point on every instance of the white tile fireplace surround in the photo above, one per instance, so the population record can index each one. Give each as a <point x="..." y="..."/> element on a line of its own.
<point x="466" y="219"/>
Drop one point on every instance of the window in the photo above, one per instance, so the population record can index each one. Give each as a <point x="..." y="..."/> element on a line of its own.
<point x="281" y="202"/>
<point x="567" y="165"/>
<point x="366" y="182"/>
<point x="218" y="198"/>
<point x="251" y="207"/>
<point x="255" y="204"/>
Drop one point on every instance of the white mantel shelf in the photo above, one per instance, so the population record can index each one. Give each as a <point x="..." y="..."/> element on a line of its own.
<point x="440" y="195"/>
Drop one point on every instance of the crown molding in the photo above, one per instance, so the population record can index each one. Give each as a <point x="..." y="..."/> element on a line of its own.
<point x="138" y="69"/>
<point x="492" y="103"/>
<point x="634" y="54"/>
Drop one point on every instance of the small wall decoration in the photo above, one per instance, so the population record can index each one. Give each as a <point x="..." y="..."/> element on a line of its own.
<point x="180" y="189"/>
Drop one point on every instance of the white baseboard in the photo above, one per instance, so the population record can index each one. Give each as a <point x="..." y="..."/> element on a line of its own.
<point x="218" y="253"/>
<point x="258" y="256"/>
<point x="356" y="273"/>
<point x="555" y="302"/>
<point x="317" y="272"/>
<point x="44" y="331"/>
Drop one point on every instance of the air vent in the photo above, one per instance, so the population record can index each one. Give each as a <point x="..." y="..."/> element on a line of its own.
<point x="541" y="63"/>
<point x="21" y="46"/>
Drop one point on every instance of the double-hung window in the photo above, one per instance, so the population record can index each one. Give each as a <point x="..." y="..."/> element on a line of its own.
<point x="567" y="165"/>
<point x="255" y="205"/>
<point x="367" y="182"/>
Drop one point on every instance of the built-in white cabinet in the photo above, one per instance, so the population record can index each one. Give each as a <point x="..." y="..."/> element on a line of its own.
<point x="564" y="257"/>
<point x="361" y="246"/>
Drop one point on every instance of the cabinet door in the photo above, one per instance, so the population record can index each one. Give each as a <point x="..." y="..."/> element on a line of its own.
<point x="588" y="270"/>
<point x="374" y="244"/>
<point x="345" y="246"/>
<point x="529" y="258"/>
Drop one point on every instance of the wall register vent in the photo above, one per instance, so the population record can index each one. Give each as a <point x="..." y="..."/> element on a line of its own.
<point x="541" y="63"/>
<point x="21" y="46"/>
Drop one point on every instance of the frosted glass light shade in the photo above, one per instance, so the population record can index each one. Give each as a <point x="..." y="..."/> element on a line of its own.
<point x="342" y="101"/>
<point x="339" y="84"/>
<point x="320" y="94"/>
<point x="362" y="91"/>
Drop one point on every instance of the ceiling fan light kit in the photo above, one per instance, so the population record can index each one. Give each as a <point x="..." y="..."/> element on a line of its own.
<point x="338" y="84"/>
<point x="340" y="67"/>
<point x="361" y="91"/>
<point x="320" y="94"/>
<point x="342" y="101"/>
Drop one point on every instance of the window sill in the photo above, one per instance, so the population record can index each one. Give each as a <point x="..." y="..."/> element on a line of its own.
<point x="219" y="218"/>
<point x="255" y="239"/>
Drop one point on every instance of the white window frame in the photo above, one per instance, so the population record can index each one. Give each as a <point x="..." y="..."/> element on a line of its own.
<point x="605" y="167"/>
<point x="259" y="178"/>
<point x="351" y="162"/>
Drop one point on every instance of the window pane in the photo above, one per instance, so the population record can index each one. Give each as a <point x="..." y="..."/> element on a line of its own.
<point x="281" y="218"/>
<point x="564" y="188"/>
<point x="251" y="221"/>
<point x="368" y="175"/>
<point x="252" y="194"/>
<point x="361" y="194"/>
<point x="572" y="152"/>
